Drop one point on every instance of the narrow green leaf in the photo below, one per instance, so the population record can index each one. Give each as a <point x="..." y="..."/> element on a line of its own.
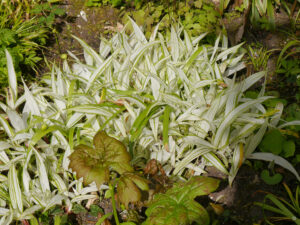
<point x="142" y="120"/>
<point x="285" y="48"/>
<point x="191" y="60"/>
<point x="271" y="14"/>
<point x="41" y="133"/>
<point x="101" y="220"/>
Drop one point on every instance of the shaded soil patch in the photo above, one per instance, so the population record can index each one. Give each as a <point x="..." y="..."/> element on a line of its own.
<point x="86" y="23"/>
<point x="248" y="188"/>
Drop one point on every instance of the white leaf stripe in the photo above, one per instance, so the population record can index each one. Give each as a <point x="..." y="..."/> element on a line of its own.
<point x="14" y="189"/>
<point x="43" y="176"/>
<point x="277" y="159"/>
<point x="12" y="78"/>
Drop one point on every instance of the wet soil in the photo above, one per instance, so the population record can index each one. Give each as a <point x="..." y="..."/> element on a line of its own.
<point x="86" y="23"/>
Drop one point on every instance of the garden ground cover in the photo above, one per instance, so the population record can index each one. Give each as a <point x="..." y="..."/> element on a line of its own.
<point x="247" y="184"/>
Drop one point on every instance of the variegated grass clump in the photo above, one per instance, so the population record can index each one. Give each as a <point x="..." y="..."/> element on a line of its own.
<point x="169" y="99"/>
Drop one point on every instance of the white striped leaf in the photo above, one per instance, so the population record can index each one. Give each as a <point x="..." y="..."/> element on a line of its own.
<point x="215" y="161"/>
<point x="43" y="175"/>
<point x="277" y="160"/>
<point x="15" y="193"/>
<point x="12" y="78"/>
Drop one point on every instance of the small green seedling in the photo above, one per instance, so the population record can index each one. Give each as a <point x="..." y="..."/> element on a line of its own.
<point x="269" y="179"/>
<point x="288" y="210"/>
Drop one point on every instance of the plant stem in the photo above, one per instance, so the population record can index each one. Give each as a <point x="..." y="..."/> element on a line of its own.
<point x="113" y="202"/>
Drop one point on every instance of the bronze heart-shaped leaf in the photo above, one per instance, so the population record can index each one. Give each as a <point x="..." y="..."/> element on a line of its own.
<point x="129" y="186"/>
<point x="94" y="164"/>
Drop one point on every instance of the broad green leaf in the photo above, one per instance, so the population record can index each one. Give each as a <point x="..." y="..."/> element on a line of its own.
<point x="177" y="205"/>
<point x="94" y="164"/>
<point x="272" y="142"/>
<point x="128" y="190"/>
<point x="288" y="148"/>
<point x="77" y="208"/>
<point x="270" y="180"/>
<point x="95" y="210"/>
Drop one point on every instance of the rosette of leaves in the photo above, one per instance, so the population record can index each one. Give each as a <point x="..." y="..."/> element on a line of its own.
<point x="177" y="205"/>
<point x="94" y="164"/>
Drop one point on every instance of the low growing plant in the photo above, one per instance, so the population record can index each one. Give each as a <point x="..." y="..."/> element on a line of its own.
<point x="274" y="141"/>
<point x="23" y="32"/>
<point x="288" y="210"/>
<point x="177" y="205"/>
<point x="270" y="179"/>
<point x="96" y="164"/>
<point x="168" y="99"/>
<point x="259" y="58"/>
